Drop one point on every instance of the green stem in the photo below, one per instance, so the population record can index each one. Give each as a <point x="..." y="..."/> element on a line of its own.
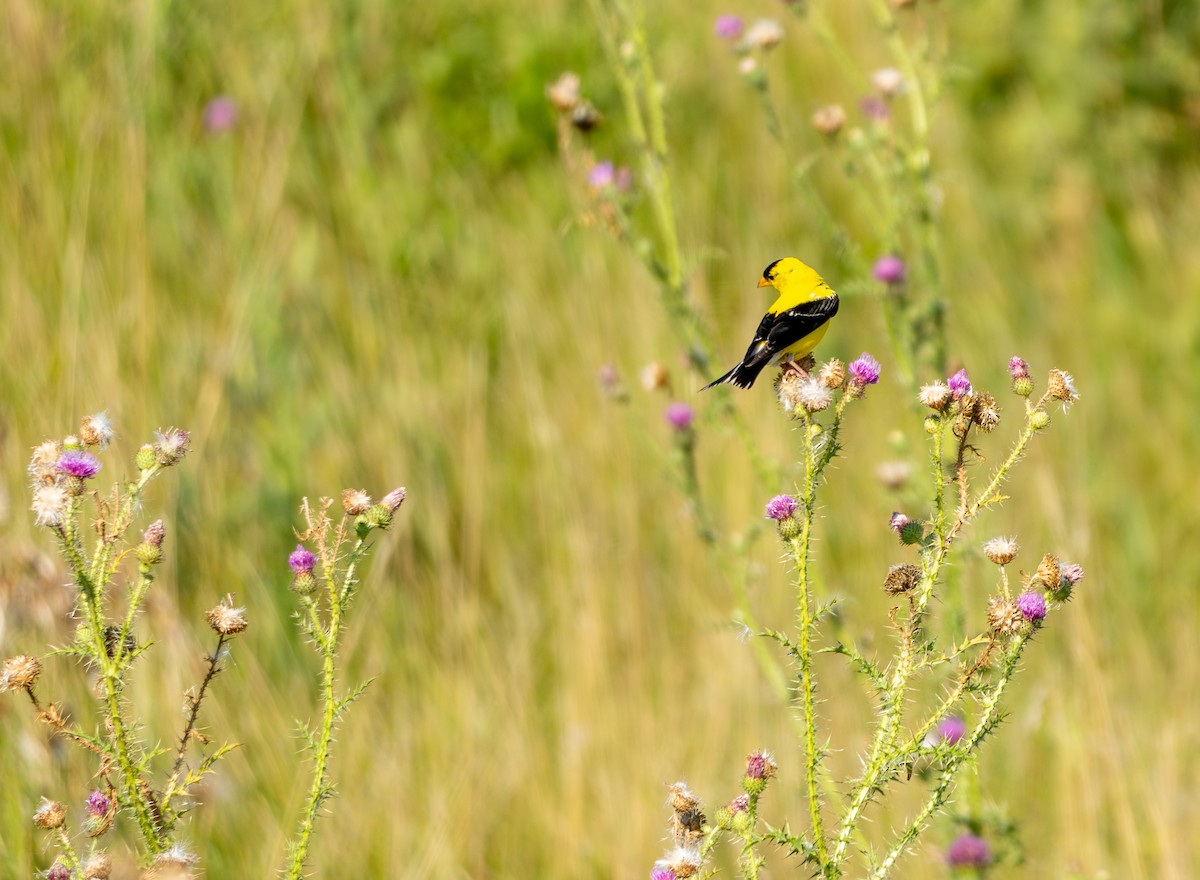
<point x="327" y="641"/>
<point x="70" y="857"/>
<point x="800" y="546"/>
<point x="954" y="764"/>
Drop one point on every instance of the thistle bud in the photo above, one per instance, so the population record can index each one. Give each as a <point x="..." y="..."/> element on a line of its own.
<point x="58" y="871"/>
<point x="781" y="509"/>
<point x="1022" y="386"/>
<point x="145" y="458"/>
<point x="149" y="552"/>
<point x="392" y="500"/>
<point x="1039" y="420"/>
<point x="760" y="768"/>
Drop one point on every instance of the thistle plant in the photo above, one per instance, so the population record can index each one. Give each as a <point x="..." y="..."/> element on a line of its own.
<point x="939" y="735"/>
<point x="326" y="582"/>
<point x="148" y="784"/>
<point x="138" y="781"/>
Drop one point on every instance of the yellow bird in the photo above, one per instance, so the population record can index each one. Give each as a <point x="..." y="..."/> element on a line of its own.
<point x="794" y="323"/>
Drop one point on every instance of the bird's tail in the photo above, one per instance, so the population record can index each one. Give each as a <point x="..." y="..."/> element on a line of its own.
<point x="742" y="376"/>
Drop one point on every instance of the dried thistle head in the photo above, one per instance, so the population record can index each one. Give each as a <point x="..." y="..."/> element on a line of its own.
<point x="684" y="862"/>
<point x="171" y="446"/>
<point x="902" y="578"/>
<point x="655" y="376"/>
<point x="801" y="393"/>
<point x="43" y="461"/>
<point x="935" y="395"/>
<point x="1048" y="573"/>
<point x="1004" y="618"/>
<point x="19" y="673"/>
<point x="564" y="93"/>
<point x="986" y="412"/>
<point x="98" y="866"/>
<point x="355" y="501"/>
<point x="1001" y="551"/>
<point x="682" y="799"/>
<point x="174" y="864"/>
<point x="1061" y="386"/>
<point x="829" y="120"/>
<point x="833" y="374"/>
<point x="893" y="475"/>
<point x="225" y="619"/>
<point x="50" y="504"/>
<point x="97" y="430"/>
<point x="50" y="814"/>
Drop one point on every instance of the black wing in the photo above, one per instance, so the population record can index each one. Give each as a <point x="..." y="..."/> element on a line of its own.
<point x="777" y="332"/>
<point x="774" y="334"/>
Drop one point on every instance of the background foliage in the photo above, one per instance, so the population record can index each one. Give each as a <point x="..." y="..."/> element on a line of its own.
<point x="377" y="277"/>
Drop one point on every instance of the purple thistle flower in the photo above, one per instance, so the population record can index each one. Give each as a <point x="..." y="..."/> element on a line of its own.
<point x="81" y="465"/>
<point x="875" y="108"/>
<point x="58" y="871"/>
<point x="98" y="804"/>
<point x="679" y="416"/>
<point x="1018" y="368"/>
<point x="602" y="175"/>
<point x="302" y="560"/>
<point x="740" y="804"/>
<point x="781" y="507"/>
<point x="951" y="729"/>
<point x="662" y="872"/>
<point x="960" y="384"/>
<point x="760" y="766"/>
<point x="969" y="851"/>
<point x="1032" y="604"/>
<point x="1072" y="572"/>
<point x="728" y="27"/>
<point x="220" y="114"/>
<point x="898" y="522"/>
<point x="864" y="370"/>
<point x="890" y="269"/>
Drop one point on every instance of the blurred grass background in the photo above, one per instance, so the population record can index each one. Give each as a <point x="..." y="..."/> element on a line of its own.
<point x="376" y="278"/>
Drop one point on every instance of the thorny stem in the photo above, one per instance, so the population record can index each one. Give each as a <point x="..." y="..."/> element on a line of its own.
<point x="189" y="728"/>
<point x="70" y="857"/>
<point x="955" y="763"/>
<point x="327" y="641"/>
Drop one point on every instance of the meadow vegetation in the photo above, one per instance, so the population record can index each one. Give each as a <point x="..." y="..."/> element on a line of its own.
<point x="379" y="274"/>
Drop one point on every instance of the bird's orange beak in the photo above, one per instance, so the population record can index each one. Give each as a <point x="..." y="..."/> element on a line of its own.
<point x="763" y="282"/>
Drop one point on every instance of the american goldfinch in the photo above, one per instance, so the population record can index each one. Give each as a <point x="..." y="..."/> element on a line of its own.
<point x="794" y="323"/>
